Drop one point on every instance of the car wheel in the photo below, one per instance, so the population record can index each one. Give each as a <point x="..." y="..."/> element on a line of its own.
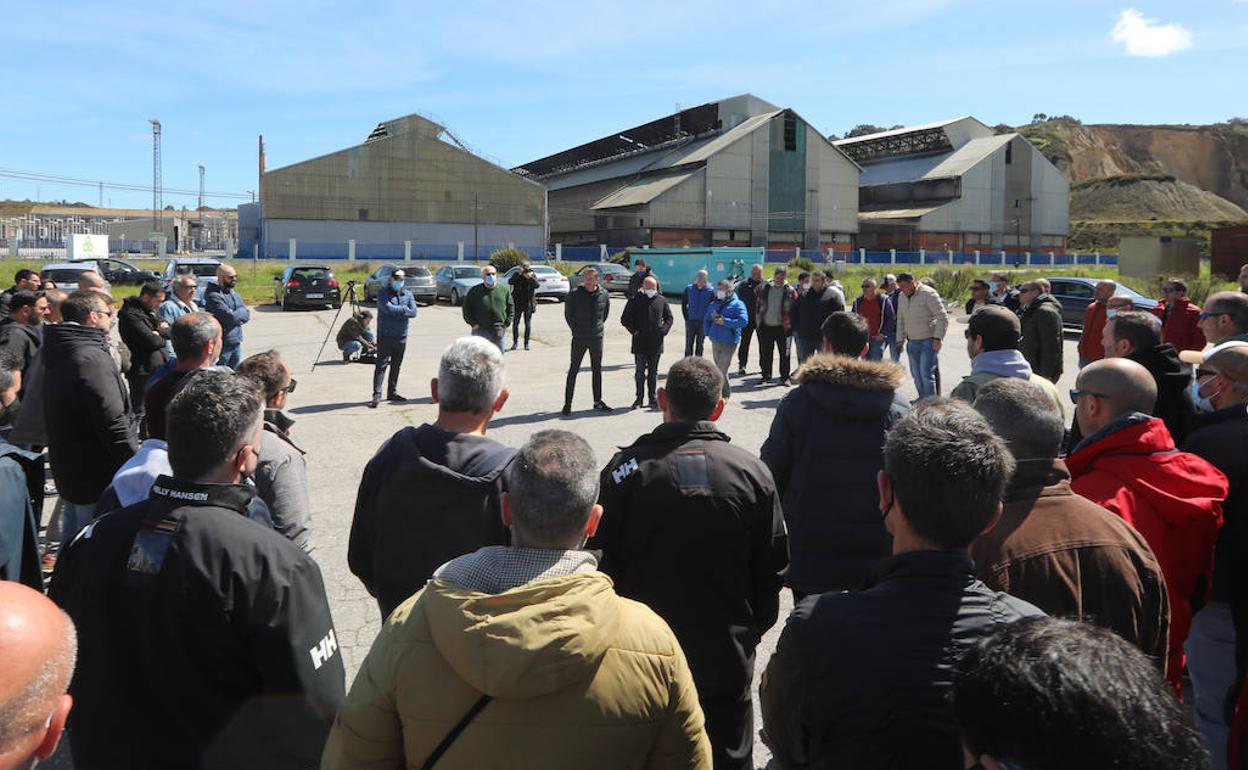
<point x="285" y="304"/>
<point x="454" y="296"/>
<point x="336" y="305"/>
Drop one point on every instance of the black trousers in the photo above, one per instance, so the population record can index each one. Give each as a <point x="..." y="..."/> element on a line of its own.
<point x="730" y="726"/>
<point x="580" y="346"/>
<point x="769" y="336"/>
<point x="138" y="388"/>
<point x="527" y="314"/>
<point x="646" y="374"/>
<point x="743" y="350"/>
<point x="390" y="351"/>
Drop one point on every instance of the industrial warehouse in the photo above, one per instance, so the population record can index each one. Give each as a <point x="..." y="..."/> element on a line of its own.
<point x="957" y="186"/>
<point x="736" y="172"/>
<point x="410" y="190"/>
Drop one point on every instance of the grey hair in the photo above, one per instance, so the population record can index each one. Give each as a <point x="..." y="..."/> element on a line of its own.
<point x="29" y="706"/>
<point x="213" y="415"/>
<point x="552" y="485"/>
<point x="191" y="332"/>
<point x="1024" y="415"/>
<point x="470" y="375"/>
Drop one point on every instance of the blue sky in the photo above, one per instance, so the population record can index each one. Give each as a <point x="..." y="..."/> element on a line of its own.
<point x="520" y="80"/>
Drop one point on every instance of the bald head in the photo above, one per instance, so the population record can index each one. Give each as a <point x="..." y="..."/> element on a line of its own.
<point x="38" y="646"/>
<point x="649" y="282"/>
<point x="1110" y="388"/>
<point x="89" y="280"/>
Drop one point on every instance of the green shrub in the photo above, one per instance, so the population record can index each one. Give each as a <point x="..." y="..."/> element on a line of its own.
<point x="798" y="264"/>
<point x="953" y="285"/>
<point x="506" y="258"/>
<point x="622" y="257"/>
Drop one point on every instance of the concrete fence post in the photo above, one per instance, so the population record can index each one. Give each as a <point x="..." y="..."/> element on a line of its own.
<point x="862" y="256"/>
<point x="922" y="256"/>
<point x="558" y="252"/>
<point x="1074" y="255"/>
<point x="407" y="251"/>
<point x="1029" y="258"/>
<point x="1052" y="258"/>
<point x="1097" y="256"/>
<point x="602" y="251"/>
<point x="460" y="251"/>
<point x="949" y="255"/>
<point x="351" y="250"/>
<point x="892" y="256"/>
<point x="291" y="250"/>
<point x="977" y="256"/>
<point x="255" y="252"/>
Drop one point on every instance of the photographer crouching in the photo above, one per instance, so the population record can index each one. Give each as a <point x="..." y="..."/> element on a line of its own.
<point x="355" y="340"/>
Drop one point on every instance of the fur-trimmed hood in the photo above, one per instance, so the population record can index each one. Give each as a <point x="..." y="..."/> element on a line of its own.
<point x="850" y="372"/>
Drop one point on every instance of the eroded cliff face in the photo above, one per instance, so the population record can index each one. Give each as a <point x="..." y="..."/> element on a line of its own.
<point x="1213" y="158"/>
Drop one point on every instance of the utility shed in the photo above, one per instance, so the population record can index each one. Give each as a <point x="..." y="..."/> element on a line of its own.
<point x="736" y="172"/>
<point x="957" y="185"/>
<point x="1145" y="257"/>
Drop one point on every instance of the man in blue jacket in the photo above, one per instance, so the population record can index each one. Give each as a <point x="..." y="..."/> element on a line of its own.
<point x="395" y="306"/>
<point x="693" y="305"/>
<point x="726" y="316"/>
<point x="227" y="307"/>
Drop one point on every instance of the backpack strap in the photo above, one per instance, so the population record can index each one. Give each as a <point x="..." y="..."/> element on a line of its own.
<point x="455" y="731"/>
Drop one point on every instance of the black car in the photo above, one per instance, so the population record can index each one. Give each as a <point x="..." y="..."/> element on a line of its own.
<point x="307" y="285"/>
<point x="119" y="273"/>
<point x="1075" y="294"/>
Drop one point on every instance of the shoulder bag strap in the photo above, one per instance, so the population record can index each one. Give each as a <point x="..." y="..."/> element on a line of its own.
<point x="455" y="731"/>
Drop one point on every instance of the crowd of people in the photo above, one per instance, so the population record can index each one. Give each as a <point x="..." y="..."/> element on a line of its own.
<point x="1005" y="578"/>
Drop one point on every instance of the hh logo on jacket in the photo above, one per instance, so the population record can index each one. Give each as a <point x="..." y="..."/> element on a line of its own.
<point x="624" y="471"/>
<point x="324" y="650"/>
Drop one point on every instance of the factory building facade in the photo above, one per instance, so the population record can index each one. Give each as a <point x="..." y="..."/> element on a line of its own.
<point x="737" y="172"/>
<point x="958" y="186"/>
<point x="410" y="189"/>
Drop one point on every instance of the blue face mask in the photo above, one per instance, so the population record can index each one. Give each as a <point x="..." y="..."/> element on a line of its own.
<point x="396" y="285"/>
<point x="1203" y="405"/>
<point x="1113" y="311"/>
<point x="490" y="280"/>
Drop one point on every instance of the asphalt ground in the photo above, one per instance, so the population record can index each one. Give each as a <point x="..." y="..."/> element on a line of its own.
<point x="340" y="434"/>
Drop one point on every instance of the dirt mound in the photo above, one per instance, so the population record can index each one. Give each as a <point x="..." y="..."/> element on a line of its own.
<point x="1145" y="197"/>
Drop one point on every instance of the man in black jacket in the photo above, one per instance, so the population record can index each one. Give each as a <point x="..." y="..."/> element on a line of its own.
<point x="585" y="312"/>
<point x="648" y="319"/>
<point x="746" y="291"/>
<point x="712" y="572"/>
<point x="90" y="427"/>
<point x="192" y="614"/>
<point x="1217" y="645"/>
<point x="524" y="286"/>
<point x="23" y="280"/>
<point x="826" y="443"/>
<point x="809" y="312"/>
<point x="1137" y="335"/>
<point x="21" y="332"/>
<point x="434" y="492"/>
<point x="862" y="679"/>
<point x="147" y="336"/>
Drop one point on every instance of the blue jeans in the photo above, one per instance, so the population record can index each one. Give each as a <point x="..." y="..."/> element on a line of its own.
<point x="890" y="342"/>
<point x="390" y="352"/>
<point x="923" y="363"/>
<point x="352" y="347"/>
<point x="875" y="349"/>
<point x="806" y="348"/>
<point x="1210" y="649"/>
<point x="695" y="338"/>
<point x="74" y="518"/>
<point x="488" y="334"/>
<point x="231" y="357"/>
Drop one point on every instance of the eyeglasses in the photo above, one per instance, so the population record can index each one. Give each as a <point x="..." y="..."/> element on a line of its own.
<point x="291" y="387"/>
<point x="1206" y="373"/>
<point x="1210" y="314"/>
<point x="1075" y="393"/>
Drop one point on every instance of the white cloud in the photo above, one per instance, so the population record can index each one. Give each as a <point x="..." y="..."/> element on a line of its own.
<point x="1148" y="37"/>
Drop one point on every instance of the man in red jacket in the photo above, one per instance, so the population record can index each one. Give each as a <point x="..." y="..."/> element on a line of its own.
<point x="1129" y="465"/>
<point x="1180" y="319"/>
<point x="1094" y="317"/>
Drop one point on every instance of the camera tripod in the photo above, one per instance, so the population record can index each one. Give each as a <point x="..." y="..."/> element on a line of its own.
<point x="352" y="300"/>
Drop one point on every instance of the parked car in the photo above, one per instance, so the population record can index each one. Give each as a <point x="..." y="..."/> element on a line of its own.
<point x="614" y="277"/>
<point x="306" y="285"/>
<point x="1074" y="294"/>
<point x="550" y="282"/>
<point x="65" y="274"/>
<point x="454" y="281"/>
<point x="120" y="273"/>
<point x="419" y="282"/>
<point x="203" y="268"/>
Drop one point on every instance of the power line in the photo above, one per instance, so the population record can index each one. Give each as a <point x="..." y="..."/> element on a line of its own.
<point x="36" y="176"/>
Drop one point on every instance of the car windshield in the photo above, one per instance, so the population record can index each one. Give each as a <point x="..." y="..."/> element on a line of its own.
<point x="199" y="270"/>
<point x="545" y="270"/>
<point x="69" y="275"/>
<point x="466" y="272"/>
<point x="417" y="272"/>
<point x="311" y="273"/>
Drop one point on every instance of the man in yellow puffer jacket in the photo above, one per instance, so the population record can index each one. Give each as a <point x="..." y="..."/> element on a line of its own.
<point x="528" y="649"/>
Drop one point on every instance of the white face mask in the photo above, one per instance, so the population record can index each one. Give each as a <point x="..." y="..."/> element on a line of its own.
<point x="719" y="294"/>
<point x="650" y="292"/>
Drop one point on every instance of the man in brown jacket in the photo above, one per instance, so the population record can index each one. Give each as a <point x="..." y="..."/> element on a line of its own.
<point x="1063" y="553"/>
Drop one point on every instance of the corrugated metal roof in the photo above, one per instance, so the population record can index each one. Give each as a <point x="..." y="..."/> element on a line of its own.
<point x="900" y="131"/>
<point x="949" y="164"/>
<point x="642" y="191"/>
<point x="874" y="216"/>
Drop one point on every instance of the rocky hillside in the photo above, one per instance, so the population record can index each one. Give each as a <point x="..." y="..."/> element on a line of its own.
<point x="1147" y="197"/>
